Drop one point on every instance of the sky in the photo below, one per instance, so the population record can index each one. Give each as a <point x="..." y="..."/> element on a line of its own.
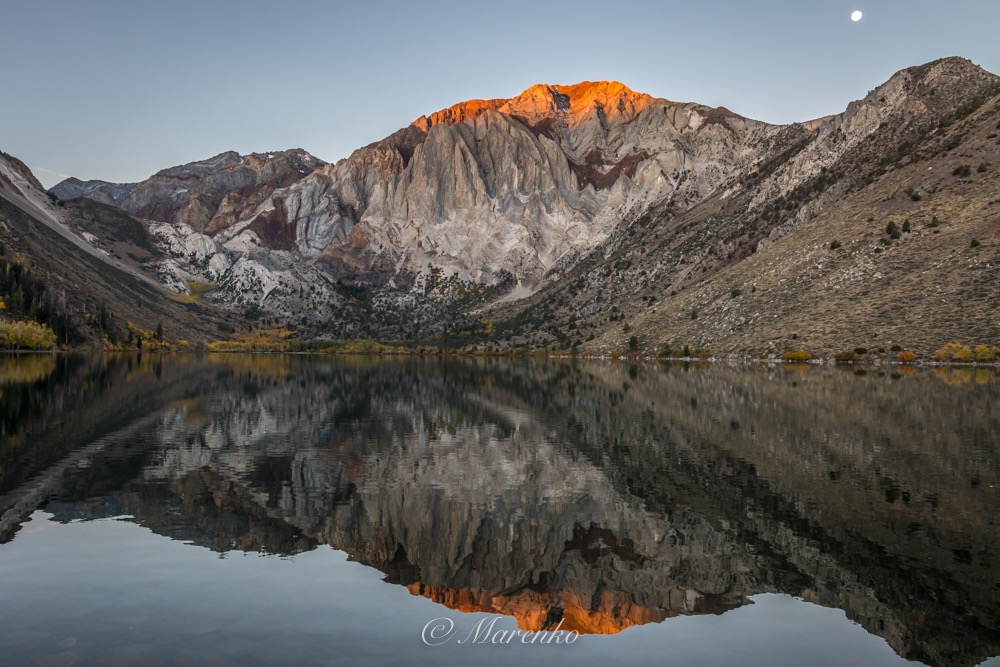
<point x="117" y="90"/>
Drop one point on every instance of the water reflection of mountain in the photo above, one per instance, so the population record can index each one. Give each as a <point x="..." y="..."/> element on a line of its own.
<point x="57" y="412"/>
<point x="606" y="496"/>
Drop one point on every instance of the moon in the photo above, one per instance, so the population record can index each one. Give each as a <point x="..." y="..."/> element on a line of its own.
<point x="856" y="15"/>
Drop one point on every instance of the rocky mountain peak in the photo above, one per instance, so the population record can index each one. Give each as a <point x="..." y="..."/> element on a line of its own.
<point x="941" y="85"/>
<point x="22" y="169"/>
<point x="946" y="69"/>
<point x="208" y="194"/>
<point x="202" y="167"/>
<point x="612" y="98"/>
<point x="571" y="104"/>
<point x="231" y="160"/>
<point x="458" y="113"/>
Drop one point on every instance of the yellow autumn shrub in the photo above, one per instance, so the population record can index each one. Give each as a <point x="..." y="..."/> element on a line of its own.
<point x="954" y="352"/>
<point x="26" y="336"/>
<point x="983" y="354"/>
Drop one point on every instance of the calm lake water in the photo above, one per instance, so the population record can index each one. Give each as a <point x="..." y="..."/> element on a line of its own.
<point x="280" y="510"/>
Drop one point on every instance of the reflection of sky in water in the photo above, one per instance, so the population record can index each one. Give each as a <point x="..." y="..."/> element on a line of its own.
<point x="110" y="592"/>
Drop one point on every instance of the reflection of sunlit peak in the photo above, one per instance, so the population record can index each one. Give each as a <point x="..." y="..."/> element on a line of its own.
<point x="536" y="610"/>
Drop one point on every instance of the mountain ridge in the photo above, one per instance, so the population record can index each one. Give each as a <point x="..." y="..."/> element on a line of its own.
<point x="942" y="116"/>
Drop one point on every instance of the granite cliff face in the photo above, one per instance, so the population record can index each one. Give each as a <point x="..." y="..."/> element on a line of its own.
<point x="513" y="188"/>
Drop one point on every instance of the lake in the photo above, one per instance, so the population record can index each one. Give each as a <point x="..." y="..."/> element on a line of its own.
<point x="289" y="510"/>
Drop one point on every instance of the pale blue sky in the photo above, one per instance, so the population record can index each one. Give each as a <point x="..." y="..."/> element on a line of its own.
<point x="120" y="89"/>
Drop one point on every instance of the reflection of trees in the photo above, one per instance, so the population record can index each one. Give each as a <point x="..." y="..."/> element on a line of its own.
<point x="61" y="403"/>
<point x="25" y="368"/>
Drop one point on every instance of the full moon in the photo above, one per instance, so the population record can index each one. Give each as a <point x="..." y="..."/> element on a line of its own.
<point x="856" y="15"/>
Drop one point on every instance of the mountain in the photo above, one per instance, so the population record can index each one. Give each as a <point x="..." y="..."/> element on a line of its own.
<point x="207" y="195"/>
<point x="87" y="288"/>
<point x="487" y="190"/>
<point x="513" y="189"/>
<point x="590" y="213"/>
<point x="879" y="228"/>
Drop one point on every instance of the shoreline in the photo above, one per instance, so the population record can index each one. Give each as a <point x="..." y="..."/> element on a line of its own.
<point x="818" y="362"/>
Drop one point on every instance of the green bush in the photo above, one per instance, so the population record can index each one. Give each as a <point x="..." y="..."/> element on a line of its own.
<point x="834" y="244"/>
<point x="962" y="171"/>
<point x="974" y="243"/>
<point x="797" y="355"/>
